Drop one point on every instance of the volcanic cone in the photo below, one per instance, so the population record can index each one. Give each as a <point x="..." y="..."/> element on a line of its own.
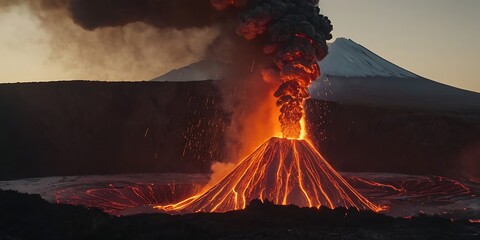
<point x="284" y="171"/>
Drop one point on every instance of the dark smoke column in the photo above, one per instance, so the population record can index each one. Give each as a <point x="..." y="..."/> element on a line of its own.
<point x="295" y="33"/>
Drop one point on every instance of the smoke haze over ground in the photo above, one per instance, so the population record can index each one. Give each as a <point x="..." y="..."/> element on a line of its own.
<point x="137" y="40"/>
<point x="115" y="40"/>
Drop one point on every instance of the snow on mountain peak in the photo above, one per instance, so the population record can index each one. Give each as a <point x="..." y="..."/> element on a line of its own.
<point x="352" y="74"/>
<point x="350" y="59"/>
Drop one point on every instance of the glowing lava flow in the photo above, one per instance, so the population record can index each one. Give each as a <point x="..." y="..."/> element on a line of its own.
<point x="284" y="171"/>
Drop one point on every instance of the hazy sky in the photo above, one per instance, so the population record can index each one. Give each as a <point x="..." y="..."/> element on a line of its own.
<point x="437" y="39"/>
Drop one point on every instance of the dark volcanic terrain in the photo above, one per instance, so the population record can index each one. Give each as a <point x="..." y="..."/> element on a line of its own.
<point x="25" y="216"/>
<point x="79" y="128"/>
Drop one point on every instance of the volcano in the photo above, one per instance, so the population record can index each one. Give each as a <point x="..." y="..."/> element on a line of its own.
<point x="284" y="171"/>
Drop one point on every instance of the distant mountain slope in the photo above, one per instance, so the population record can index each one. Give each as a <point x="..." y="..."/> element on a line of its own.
<point x="349" y="59"/>
<point x="354" y="75"/>
<point x="202" y="70"/>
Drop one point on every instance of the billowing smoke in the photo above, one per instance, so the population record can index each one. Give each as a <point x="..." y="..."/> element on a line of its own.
<point x="93" y="14"/>
<point x="120" y="39"/>
<point x="178" y="14"/>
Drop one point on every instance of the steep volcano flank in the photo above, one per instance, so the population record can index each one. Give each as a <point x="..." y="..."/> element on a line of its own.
<point x="284" y="171"/>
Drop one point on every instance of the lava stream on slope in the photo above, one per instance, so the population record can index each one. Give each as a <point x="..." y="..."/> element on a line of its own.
<point x="284" y="171"/>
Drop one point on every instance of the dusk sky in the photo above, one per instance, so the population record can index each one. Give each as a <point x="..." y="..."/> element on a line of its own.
<point x="437" y="39"/>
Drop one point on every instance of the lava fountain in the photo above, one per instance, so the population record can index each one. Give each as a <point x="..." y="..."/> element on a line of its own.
<point x="287" y="170"/>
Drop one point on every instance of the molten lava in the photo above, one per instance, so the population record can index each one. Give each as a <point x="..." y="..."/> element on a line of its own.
<point x="284" y="171"/>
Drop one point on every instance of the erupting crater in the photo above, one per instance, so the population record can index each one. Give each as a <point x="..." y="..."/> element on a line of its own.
<point x="284" y="171"/>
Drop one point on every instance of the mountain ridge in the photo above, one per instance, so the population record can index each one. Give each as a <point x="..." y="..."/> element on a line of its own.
<point x="352" y="74"/>
<point x="350" y="59"/>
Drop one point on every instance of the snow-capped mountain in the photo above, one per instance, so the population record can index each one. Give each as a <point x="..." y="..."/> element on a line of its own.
<point x="349" y="59"/>
<point x="352" y="74"/>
